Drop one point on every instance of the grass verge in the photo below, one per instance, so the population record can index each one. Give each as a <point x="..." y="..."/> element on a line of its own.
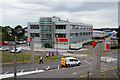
<point x="9" y="57"/>
<point x="103" y="51"/>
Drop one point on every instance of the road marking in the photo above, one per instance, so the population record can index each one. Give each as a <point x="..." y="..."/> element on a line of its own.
<point x="74" y="73"/>
<point x="101" y="71"/>
<point x="87" y="62"/>
<point x="19" y="74"/>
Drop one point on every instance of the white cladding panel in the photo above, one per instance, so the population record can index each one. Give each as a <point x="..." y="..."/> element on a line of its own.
<point x="61" y="45"/>
<point x="76" y="45"/>
<point x="37" y="44"/>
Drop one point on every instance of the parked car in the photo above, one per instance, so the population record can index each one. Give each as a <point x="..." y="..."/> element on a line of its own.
<point x="70" y="61"/>
<point x="4" y="48"/>
<point x="3" y="43"/>
<point x="18" y="50"/>
<point x="11" y="43"/>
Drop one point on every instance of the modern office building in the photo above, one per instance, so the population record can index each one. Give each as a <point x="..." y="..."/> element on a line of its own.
<point x="52" y="32"/>
<point x="99" y="33"/>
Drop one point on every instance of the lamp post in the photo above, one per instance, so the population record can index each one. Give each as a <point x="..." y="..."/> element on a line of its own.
<point x="118" y="62"/>
<point x="18" y="33"/>
<point x="57" y="43"/>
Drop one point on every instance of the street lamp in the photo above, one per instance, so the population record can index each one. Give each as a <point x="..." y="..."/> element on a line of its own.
<point x="57" y="43"/>
<point x="18" y="33"/>
<point x="118" y="62"/>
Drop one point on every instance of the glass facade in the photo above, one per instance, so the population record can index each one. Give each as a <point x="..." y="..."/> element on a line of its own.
<point x="34" y="26"/>
<point x="47" y="32"/>
<point x="34" y="34"/>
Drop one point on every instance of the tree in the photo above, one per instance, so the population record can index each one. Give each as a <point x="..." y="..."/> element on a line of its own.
<point x="118" y="34"/>
<point x="5" y="35"/>
<point x="22" y="34"/>
<point x="18" y="26"/>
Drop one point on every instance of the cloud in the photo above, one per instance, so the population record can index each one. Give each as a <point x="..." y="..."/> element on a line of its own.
<point x="99" y="14"/>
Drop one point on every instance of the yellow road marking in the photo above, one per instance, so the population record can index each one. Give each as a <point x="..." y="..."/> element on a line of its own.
<point x="100" y="71"/>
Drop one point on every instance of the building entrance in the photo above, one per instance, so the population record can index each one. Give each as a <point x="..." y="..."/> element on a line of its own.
<point x="48" y="45"/>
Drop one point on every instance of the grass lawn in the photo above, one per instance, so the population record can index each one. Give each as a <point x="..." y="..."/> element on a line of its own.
<point x="90" y="53"/>
<point x="9" y="57"/>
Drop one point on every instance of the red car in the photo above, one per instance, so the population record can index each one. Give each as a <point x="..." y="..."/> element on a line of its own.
<point x="3" y="43"/>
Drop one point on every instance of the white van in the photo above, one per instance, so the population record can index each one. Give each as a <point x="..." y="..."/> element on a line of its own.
<point x="70" y="61"/>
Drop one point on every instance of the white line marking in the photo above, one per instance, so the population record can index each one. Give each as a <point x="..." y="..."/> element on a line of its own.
<point x="87" y="62"/>
<point x="74" y="73"/>
<point x="20" y="74"/>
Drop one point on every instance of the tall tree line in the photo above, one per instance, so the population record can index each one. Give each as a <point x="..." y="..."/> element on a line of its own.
<point x="118" y="33"/>
<point x="5" y="36"/>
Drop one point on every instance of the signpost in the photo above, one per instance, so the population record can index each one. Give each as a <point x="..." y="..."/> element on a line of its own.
<point x="32" y="50"/>
<point x="96" y="59"/>
<point x="107" y="45"/>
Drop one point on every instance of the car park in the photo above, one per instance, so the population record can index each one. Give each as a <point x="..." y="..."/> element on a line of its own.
<point x="70" y="61"/>
<point x="18" y="50"/>
<point x="4" y="48"/>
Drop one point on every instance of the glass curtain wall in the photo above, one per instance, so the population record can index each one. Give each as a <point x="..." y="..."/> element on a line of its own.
<point x="46" y="32"/>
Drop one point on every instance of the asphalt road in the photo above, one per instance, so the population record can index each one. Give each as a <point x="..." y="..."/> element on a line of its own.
<point x="72" y="72"/>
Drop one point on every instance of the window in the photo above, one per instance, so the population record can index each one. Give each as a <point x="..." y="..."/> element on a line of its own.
<point x="80" y="34"/>
<point x="76" y="27"/>
<point x="71" y="34"/>
<point x="34" y="26"/>
<point x="75" y="60"/>
<point x="89" y="33"/>
<point x="34" y="34"/>
<point x="73" y="27"/>
<point x="80" y="27"/>
<point x="70" y="59"/>
<point x="60" y="27"/>
<point x="76" y="34"/>
<point x="83" y="34"/>
<point x="49" y="36"/>
<point x="60" y="35"/>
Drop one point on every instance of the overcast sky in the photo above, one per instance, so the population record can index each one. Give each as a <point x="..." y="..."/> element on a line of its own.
<point x="99" y="14"/>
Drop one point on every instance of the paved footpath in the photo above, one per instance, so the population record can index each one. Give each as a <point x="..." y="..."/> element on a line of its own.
<point x="110" y="74"/>
<point x="28" y="66"/>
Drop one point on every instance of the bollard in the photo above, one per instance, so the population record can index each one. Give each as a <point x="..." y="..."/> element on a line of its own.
<point x="111" y="60"/>
<point x="58" y="67"/>
<point x="36" y="69"/>
<point x="88" y="75"/>
<point x="22" y="71"/>
<point x="5" y="73"/>
<point x="105" y="60"/>
<point x="48" y="67"/>
<point x="91" y="59"/>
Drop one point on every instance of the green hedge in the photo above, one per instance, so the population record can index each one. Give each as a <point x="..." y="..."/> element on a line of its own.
<point x="115" y="47"/>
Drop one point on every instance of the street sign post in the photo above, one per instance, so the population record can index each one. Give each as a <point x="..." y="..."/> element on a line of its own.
<point x="96" y="59"/>
<point x="32" y="50"/>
